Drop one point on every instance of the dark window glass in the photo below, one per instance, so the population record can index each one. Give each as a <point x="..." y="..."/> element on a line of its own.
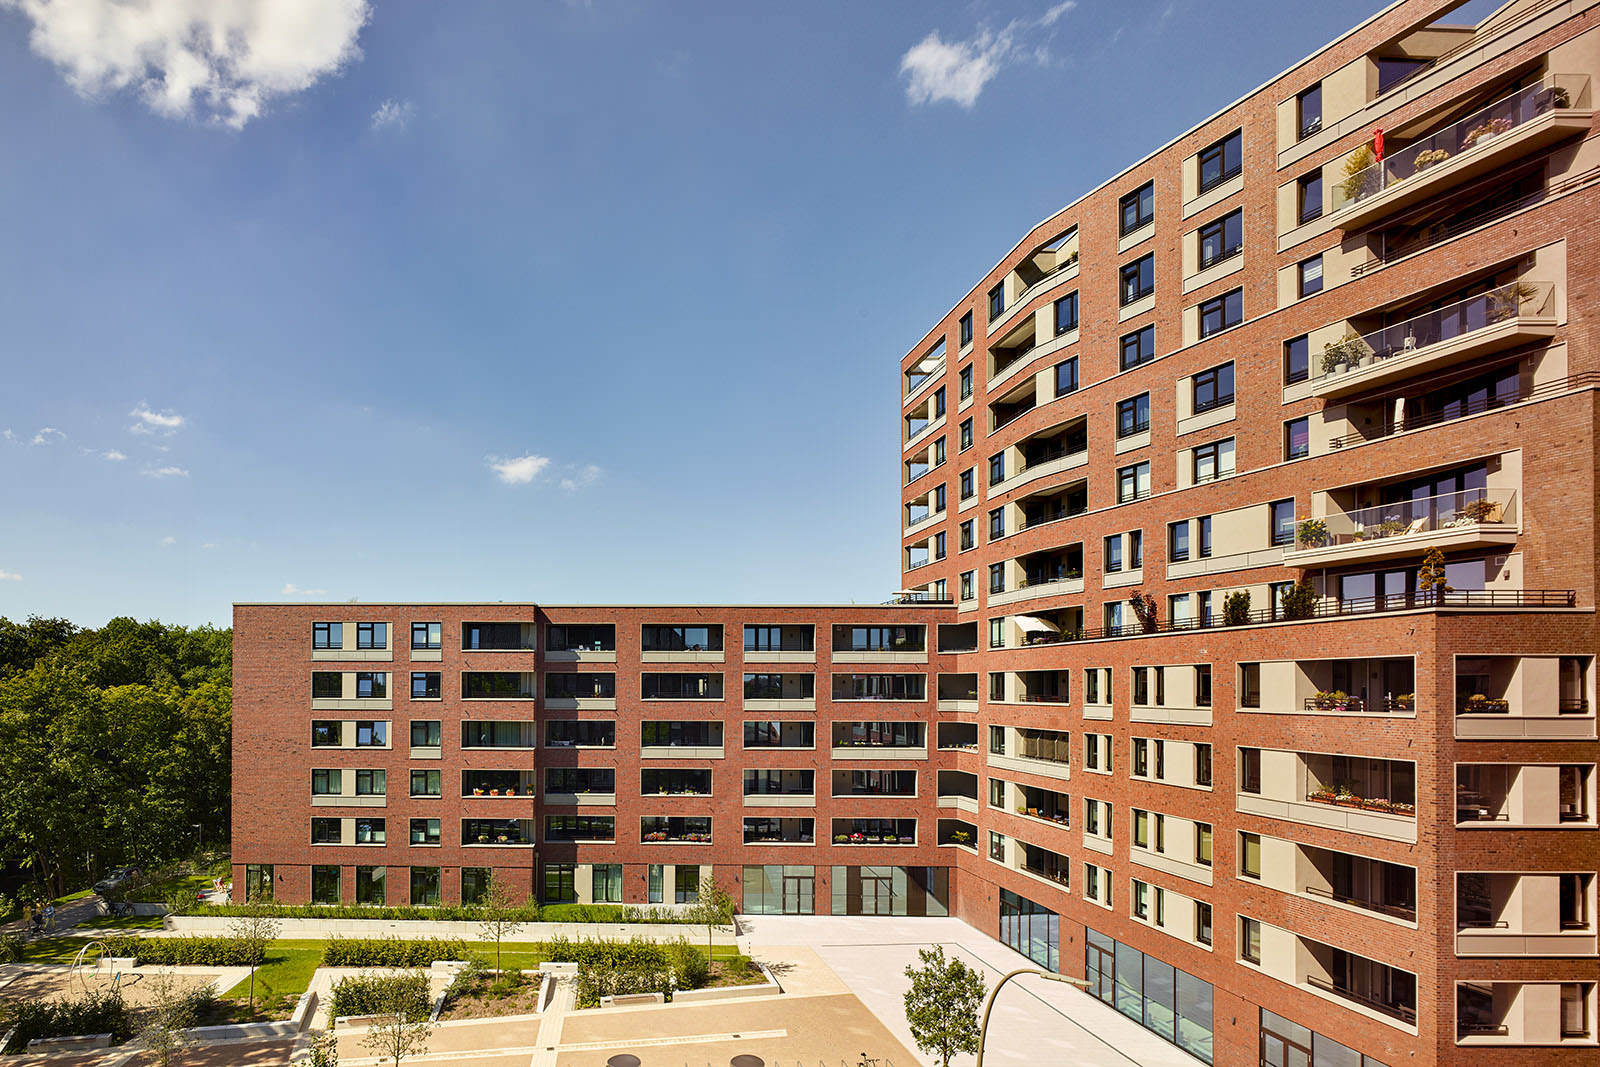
<point x="1138" y="208"/>
<point x="997" y="301"/>
<point x="424" y="685"/>
<point x="426" y="733"/>
<point x="965" y="378"/>
<point x="1204" y="522"/>
<point x="966" y="433"/>
<point x="1067" y="313"/>
<point x="1297" y="438"/>
<point x="372" y="635"/>
<point x="1310" y="275"/>
<point x="1308" y="194"/>
<point x="1221" y="239"/>
<point x="1138" y="279"/>
<point x="372" y="684"/>
<point x="1220" y="161"/>
<point x="1213" y="388"/>
<point x="682" y="638"/>
<point x="1308" y="108"/>
<point x="427" y="635"/>
<point x="1178" y="541"/>
<point x="1133" y="415"/>
<point x="1296" y="360"/>
<point x="1067" y="376"/>
<point x="1221" y="312"/>
<point x="997" y="468"/>
<point x="327" y="635"/>
<point x="965" y="329"/>
<point x="1282" y="522"/>
<point x="1394" y="70"/>
<point x="1138" y="347"/>
<point x="327" y="685"/>
<point x="966" y="484"/>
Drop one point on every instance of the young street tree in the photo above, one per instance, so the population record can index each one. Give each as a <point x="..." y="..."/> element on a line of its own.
<point x="942" y="1005"/>
<point x="502" y="912"/>
<point x="714" y="909"/>
<point x="253" y="930"/>
<point x="399" y="1031"/>
<point x="170" y="1013"/>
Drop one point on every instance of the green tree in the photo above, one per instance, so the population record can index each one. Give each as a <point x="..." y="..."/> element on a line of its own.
<point x="942" y="1005"/>
<point x="169" y="1012"/>
<point x="400" y="1030"/>
<point x="502" y="909"/>
<point x="253" y="929"/>
<point x="713" y="907"/>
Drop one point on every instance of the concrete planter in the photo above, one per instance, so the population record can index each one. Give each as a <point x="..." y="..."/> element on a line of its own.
<point x="408" y="929"/>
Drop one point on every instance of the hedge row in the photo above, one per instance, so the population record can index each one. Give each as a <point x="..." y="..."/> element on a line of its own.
<point x="531" y="912"/>
<point x="189" y="951"/>
<point x="684" y="962"/>
<point x="382" y="994"/>
<point x="391" y="951"/>
<point x="92" y="1013"/>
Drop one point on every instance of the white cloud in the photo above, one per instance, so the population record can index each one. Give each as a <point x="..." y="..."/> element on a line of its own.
<point x="395" y="114"/>
<point x="519" y="471"/>
<point x="169" y="540"/>
<point x="587" y="475"/>
<point x="217" y="60"/>
<point x="113" y="455"/>
<point x="48" y="435"/>
<point x="290" y="589"/>
<point x="163" y="422"/>
<point x="8" y="576"/>
<point x="209" y="544"/>
<point x="164" y="472"/>
<point x="956" y="71"/>
<point x="8" y="435"/>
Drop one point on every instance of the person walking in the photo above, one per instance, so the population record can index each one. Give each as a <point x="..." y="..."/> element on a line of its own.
<point x="50" y="917"/>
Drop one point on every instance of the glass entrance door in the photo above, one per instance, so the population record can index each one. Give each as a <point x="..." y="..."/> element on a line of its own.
<point x="798" y="894"/>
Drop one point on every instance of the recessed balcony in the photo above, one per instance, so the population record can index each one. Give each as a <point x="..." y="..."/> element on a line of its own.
<point x="1470" y="518"/>
<point x="1497" y="796"/>
<point x="1526" y="914"/>
<point x="1524" y="698"/>
<point x="1549" y="111"/>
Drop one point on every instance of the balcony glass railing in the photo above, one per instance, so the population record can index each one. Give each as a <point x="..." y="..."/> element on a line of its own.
<point x="1463" y="510"/>
<point x="1500" y="304"/>
<point x="1479" y="128"/>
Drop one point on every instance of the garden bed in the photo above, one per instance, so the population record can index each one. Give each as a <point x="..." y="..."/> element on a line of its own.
<point x="486" y="995"/>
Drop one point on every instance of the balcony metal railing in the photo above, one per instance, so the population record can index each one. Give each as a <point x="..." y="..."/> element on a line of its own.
<point x="1500" y="304"/>
<point x="1334" y="608"/>
<point x="1475" y="1029"/>
<point x="1398" y="911"/>
<point x="1376" y="706"/>
<point x="1392" y="426"/>
<point x="1002" y="422"/>
<point x="1051" y="454"/>
<point x="1550" y="93"/>
<point x="1460" y="510"/>
<point x="1404" y="1012"/>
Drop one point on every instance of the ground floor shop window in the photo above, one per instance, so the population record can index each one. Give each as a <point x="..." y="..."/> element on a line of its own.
<point x="1153" y="993"/>
<point x="1031" y="929"/>
<point x="424" y="886"/>
<point x="1288" y="1044"/>
<point x="780" y="889"/>
<point x="891" y="890"/>
<point x="324" y="885"/>
<point x="258" y="881"/>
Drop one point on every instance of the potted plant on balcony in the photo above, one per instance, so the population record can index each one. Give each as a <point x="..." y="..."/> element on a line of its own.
<point x="1428" y="158"/>
<point x="1338" y="356"/>
<point x="1299" y="600"/>
<point x="1481" y="510"/>
<point x="1400" y="808"/>
<point x="1322" y="795"/>
<point x="483" y="839"/>
<point x="1406" y="702"/>
<point x="1022" y="809"/>
<point x="1144" y="609"/>
<point x="1312" y="533"/>
<point x="1034" y="812"/>
<point x="1506" y="302"/>
<point x="858" y="838"/>
<point x="890" y="839"/>
<point x="1359" y="177"/>
<point x="1344" y="798"/>
<point x="1376" y="804"/>
<point x="1430" y="576"/>
<point x="873" y="839"/>
<point x="960" y="837"/>
<point x="494" y="792"/>
<point x="1484" y="131"/>
<point x="477" y="792"/>
<point x="1236" y="608"/>
<point x="841" y="839"/>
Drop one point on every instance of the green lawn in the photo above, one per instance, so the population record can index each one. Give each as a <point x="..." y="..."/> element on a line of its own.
<point x="131" y="922"/>
<point x="286" y="972"/>
<point x="157" y="892"/>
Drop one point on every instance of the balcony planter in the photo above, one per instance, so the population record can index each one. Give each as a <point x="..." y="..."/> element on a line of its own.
<point x="1312" y="533"/>
<point x="1406" y="701"/>
<point x="1331" y="701"/>
<point x="494" y="792"/>
<point x="890" y="839"/>
<point x="477" y="792"/>
<point x="873" y="839"/>
<point x="841" y="839"/>
<point x="483" y="839"/>
<point x="1022" y="809"/>
<point x="1479" y="134"/>
<point x="1427" y="159"/>
<point x="858" y="839"/>
<point x="1323" y="796"/>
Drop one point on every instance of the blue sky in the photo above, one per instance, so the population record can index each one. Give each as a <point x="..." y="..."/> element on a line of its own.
<point x="523" y="301"/>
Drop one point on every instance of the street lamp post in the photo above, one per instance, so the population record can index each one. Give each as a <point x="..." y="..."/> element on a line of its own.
<point x="983" y="1028"/>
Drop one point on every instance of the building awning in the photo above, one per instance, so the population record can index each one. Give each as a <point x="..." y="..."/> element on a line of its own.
<point x="1032" y="625"/>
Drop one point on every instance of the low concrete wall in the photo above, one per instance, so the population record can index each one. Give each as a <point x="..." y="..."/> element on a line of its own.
<point x="409" y="929"/>
<point x="304" y="1010"/>
<point x="731" y="992"/>
<point x="624" y="999"/>
<point x="203" y="1035"/>
<point x="69" y="1044"/>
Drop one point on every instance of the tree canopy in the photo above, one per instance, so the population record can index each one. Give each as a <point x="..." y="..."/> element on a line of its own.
<point x="114" y="744"/>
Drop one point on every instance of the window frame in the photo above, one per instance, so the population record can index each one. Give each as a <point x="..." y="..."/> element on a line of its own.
<point x="1218" y="227"/>
<point x="1220" y="306"/>
<point x="1141" y="271"/>
<point x="1136" y="340"/>
<point x="1305" y="127"/>
<point x="1072" y="299"/>
<point x="1143" y="202"/>
<point x="1219" y="150"/>
<point x="1207" y="388"/>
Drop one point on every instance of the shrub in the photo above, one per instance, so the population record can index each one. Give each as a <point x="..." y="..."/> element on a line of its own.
<point x="447" y="913"/>
<point x="678" y="959"/>
<point x="10" y="948"/>
<point x="373" y="994"/>
<point x="1236" y="608"/>
<point x="192" y="951"/>
<point x="507" y="982"/>
<point x="92" y="1013"/>
<point x="391" y="951"/>
<point x="1299" y="600"/>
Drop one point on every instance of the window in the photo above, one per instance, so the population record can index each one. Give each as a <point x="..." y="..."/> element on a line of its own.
<point x="324" y="885"/>
<point x="327" y="635"/>
<point x="1281" y="521"/>
<point x="424" y="685"/>
<point x="681" y="638"/>
<point x="965" y="585"/>
<point x="1392" y="70"/>
<point x="997" y="686"/>
<point x="1141" y="898"/>
<point x="997" y="578"/>
<point x="966" y="434"/>
<point x="997" y="301"/>
<point x="1138" y="208"/>
<point x="1067" y="313"/>
<point x="1308" y="197"/>
<point x="681" y="686"/>
<point x="1133" y="483"/>
<point x="371" y="832"/>
<point x="965" y="381"/>
<point x="1141" y="758"/>
<point x="1113" y="554"/>
<point x="938" y="402"/>
<point x="997" y="468"/>
<point x="1221" y="161"/>
<point x="1296" y="360"/>
<point x="372" y="635"/>
<point x="325" y="831"/>
<point x="1067" y="376"/>
<point x="997" y="740"/>
<point x="1138" y="347"/>
<point x="559" y="887"/>
<point x="1202" y="843"/>
<point x="327" y="685"/>
<point x="1097" y="685"/>
<point x="1213" y="461"/>
<point x="938" y="452"/>
<point x="1310" y="275"/>
<point x="1135" y="549"/>
<point x="1297" y="438"/>
<point x="1221" y="239"/>
<point x="424" y="831"/>
<point x="965" y="484"/>
<point x="1133" y="415"/>
<point x="607" y="883"/>
<point x="427" y="636"/>
<point x="426" y="784"/>
<point x="325" y="783"/>
<point x="1204" y="523"/>
<point x="1213" y="388"/>
<point x="939" y="544"/>
<point x="372" y="734"/>
<point x="1138" y="279"/>
<point x="997" y="523"/>
<point x="1249" y="939"/>
<point x="369" y="885"/>
<point x="1249" y="685"/>
<point x="1221" y="313"/>
<point x="1202" y="922"/>
<point x="1202" y="764"/>
<point x="1308" y="110"/>
<point x="373" y="685"/>
<point x="426" y="733"/>
<point x="1250" y="855"/>
<point x="371" y="783"/>
<point x="964" y="330"/>
<point x="1250" y="770"/>
<point x="1202" y="685"/>
<point x="967" y="537"/>
<point x="1178" y="541"/>
<point x="1113" y="610"/>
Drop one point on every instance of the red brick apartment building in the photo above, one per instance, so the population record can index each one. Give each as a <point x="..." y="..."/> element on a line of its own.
<point x="1349" y="822"/>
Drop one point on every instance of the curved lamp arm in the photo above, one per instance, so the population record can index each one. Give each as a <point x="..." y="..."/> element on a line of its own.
<point x="983" y="1028"/>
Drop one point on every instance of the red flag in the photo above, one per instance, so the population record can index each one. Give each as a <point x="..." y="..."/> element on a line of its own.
<point x="1377" y="142"/>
